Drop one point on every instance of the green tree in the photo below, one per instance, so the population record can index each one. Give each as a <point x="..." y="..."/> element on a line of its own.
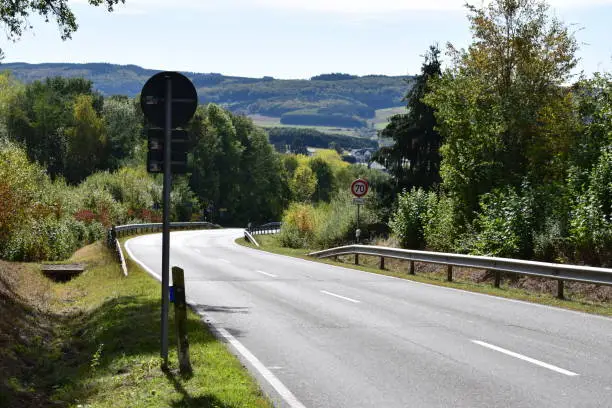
<point x="205" y="178"/>
<point x="326" y="180"/>
<point x="414" y="158"/>
<point x="123" y="129"/>
<point x="263" y="190"/>
<point x="504" y="100"/>
<point x="303" y="184"/>
<point x="10" y="88"/>
<point x="86" y="141"/>
<point x="19" y="180"/>
<point x="298" y="147"/>
<point x="233" y="166"/>
<point x="40" y="115"/>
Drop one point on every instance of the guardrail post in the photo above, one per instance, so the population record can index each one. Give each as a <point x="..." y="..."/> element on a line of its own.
<point x="497" y="279"/>
<point x="382" y="262"/>
<point x="560" y="289"/>
<point x="449" y="273"/>
<point x="180" y="320"/>
<point x="411" y="268"/>
<point x="356" y="259"/>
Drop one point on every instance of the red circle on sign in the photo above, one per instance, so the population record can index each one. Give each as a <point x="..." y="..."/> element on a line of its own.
<point x="359" y="187"/>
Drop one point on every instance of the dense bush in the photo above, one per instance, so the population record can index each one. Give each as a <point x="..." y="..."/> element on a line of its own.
<point x="299" y="224"/>
<point x="441" y="226"/>
<point x="41" y="219"/>
<point x="550" y="244"/>
<point x="326" y="225"/>
<point x="591" y="222"/>
<point x="49" y="239"/>
<point x="409" y="220"/>
<point x="503" y="226"/>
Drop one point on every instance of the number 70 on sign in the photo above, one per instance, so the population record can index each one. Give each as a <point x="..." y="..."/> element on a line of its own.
<point x="359" y="187"/>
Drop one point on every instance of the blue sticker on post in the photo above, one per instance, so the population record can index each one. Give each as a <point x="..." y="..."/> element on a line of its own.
<point x="171" y="292"/>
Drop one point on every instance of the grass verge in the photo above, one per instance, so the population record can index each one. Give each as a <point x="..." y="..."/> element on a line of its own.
<point x="95" y="343"/>
<point x="578" y="296"/>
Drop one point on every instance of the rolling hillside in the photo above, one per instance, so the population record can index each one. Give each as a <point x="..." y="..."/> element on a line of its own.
<point x="337" y="100"/>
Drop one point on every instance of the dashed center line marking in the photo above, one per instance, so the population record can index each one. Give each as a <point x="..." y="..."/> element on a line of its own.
<point x="224" y="260"/>
<point x="198" y="251"/>
<point x="340" y="296"/>
<point x="267" y="274"/>
<point x="525" y="358"/>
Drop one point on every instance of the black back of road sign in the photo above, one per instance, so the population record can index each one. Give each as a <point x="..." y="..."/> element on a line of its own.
<point x="184" y="99"/>
<point x="179" y="148"/>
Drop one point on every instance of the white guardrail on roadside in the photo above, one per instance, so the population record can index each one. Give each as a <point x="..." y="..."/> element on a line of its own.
<point x="267" y="228"/>
<point x="249" y="237"/>
<point x="560" y="272"/>
<point x="122" y="230"/>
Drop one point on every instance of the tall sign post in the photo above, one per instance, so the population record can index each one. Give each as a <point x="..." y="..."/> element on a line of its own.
<point x="359" y="188"/>
<point x="168" y="100"/>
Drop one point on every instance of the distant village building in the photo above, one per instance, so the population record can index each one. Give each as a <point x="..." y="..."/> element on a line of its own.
<point x="362" y="155"/>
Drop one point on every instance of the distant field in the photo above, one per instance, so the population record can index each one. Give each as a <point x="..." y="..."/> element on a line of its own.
<point x="269" y="121"/>
<point x="382" y="115"/>
<point x="377" y="123"/>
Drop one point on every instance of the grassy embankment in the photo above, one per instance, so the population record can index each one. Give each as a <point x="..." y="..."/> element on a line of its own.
<point x="94" y="342"/>
<point x="581" y="297"/>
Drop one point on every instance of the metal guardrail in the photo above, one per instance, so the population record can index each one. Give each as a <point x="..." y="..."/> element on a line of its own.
<point x="122" y="230"/>
<point x="121" y="257"/>
<point x="251" y="238"/>
<point x="560" y="272"/>
<point x="268" y="228"/>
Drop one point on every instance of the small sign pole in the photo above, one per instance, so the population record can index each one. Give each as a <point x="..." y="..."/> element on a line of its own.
<point x="180" y="319"/>
<point x="166" y="224"/>
<point x="359" y="188"/>
<point x="358" y="231"/>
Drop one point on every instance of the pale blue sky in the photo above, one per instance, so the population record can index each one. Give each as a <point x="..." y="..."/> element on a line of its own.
<point x="285" y="38"/>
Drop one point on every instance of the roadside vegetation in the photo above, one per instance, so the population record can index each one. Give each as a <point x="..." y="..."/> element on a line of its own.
<point x="502" y="153"/>
<point x="94" y="342"/>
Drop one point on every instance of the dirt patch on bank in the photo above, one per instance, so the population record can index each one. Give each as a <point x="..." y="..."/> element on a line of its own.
<point x="27" y="334"/>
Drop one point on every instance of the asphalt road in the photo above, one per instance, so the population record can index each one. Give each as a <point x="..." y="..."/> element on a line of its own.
<point x="317" y="335"/>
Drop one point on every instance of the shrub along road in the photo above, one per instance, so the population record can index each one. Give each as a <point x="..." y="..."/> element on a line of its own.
<point x="329" y="336"/>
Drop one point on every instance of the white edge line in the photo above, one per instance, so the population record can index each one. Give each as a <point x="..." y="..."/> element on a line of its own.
<point x="278" y="386"/>
<point x="341" y="297"/>
<point x="266" y="273"/>
<point x="525" y="358"/>
<point x="410" y="281"/>
<point x="284" y="392"/>
<point x="224" y="260"/>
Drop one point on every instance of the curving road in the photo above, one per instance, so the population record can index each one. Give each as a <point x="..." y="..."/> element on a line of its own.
<point x="317" y="335"/>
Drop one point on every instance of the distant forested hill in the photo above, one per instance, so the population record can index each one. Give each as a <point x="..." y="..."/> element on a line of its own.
<point x="329" y="99"/>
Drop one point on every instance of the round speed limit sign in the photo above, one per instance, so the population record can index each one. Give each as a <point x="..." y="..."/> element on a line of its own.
<point x="359" y="187"/>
